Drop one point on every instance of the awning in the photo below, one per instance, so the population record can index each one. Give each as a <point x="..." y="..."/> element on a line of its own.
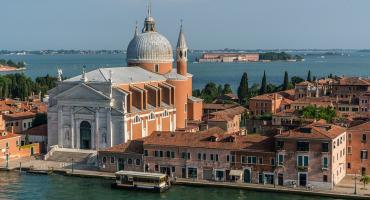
<point x="236" y="173"/>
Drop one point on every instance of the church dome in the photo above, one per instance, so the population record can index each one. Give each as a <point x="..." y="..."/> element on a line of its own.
<point x="149" y="47"/>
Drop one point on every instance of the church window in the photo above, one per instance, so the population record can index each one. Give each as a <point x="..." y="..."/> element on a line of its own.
<point x="180" y="54"/>
<point x="136" y="119"/>
<point x="151" y="116"/>
<point x="165" y="113"/>
<point x="185" y="54"/>
<point x="156" y="67"/>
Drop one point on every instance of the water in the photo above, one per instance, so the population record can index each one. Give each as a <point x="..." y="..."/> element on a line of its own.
<point x="352" y="64"/>
<point x="30" y="187"/>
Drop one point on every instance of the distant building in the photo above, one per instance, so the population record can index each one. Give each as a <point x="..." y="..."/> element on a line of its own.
<point x="229" y="57"/>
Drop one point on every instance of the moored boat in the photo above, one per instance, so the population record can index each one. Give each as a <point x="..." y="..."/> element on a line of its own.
<point x="141" y="181"/>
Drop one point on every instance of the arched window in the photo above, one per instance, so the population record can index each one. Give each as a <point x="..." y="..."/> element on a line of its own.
<point x="137" y="162"/>
<point x="156" y="68"/>
<point x="165" y="113"/>
<point x="104" y="159"/>
<point x="137" y="119"/>
<point x="151" y="116"/>
<point x="129" y="161"/>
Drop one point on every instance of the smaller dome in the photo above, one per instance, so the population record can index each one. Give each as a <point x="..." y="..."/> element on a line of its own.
<point x="149" y="47"/>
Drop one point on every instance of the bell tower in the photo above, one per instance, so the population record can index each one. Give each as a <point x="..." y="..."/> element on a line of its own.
<point x="182" y="54"/>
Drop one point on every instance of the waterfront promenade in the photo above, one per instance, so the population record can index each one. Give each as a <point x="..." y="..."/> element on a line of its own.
<point x="343" y="190"/>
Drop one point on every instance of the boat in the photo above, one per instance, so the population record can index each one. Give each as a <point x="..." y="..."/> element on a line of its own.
<point x="133" y="180"/>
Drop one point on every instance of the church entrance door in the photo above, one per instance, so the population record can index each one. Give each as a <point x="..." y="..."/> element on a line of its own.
<point x="85" y="135"/>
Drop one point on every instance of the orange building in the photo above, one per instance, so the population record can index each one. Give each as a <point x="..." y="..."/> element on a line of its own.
<point x="109" y="106"/>
<point x="9" y="147"/>
<point x="266" y="104"/>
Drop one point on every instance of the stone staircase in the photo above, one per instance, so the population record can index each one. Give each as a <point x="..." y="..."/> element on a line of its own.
<point x="66" y="155"/>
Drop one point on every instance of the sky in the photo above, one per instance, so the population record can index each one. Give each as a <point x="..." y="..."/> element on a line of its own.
<point x="208" y="24"/>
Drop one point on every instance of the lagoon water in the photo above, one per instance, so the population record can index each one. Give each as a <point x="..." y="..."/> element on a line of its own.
<point x="350" y="64"/>
<point x="55" y="187"/>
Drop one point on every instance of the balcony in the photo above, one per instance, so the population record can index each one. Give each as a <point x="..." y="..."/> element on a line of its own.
<point x="302" y="168"/>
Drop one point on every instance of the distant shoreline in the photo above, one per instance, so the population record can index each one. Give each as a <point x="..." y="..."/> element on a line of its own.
<point x="4" y="68"/>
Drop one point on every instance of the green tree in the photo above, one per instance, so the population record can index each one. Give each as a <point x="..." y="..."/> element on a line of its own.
<point x="263" y="88"/>
<point x="286" y="81"/>
<point x="197" y="93"/>
<point x="296" y="79"/>
<point x="40" y="118"/>
<point x="365" y="179"/>
<point x="227" y="89"/>
<point x="243" y="88"/>
<point x="309" y="76"/>
<point x="313" y="112"/>
<point x="210" y="92"/>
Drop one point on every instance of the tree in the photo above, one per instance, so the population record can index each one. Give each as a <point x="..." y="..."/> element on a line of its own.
<point x="309" y="76"/>
<point x="40" y="118"/>
<point x="210" y="92"/>
<point x="227" y="89"/>
<point x="26" y="139"/>
<point x="263" y="88"/>
<point x="296" y="79"/>
<point x="313" y="112"/>
<point x="286" y="81"/>
<point x="365" y="179"/>
<point x="243" y="88"/>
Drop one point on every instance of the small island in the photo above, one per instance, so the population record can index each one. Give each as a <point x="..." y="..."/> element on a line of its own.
<point x="9" y="65"/>
<point x="230" y="57"/>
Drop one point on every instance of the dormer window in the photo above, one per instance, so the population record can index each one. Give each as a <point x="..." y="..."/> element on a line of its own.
<point x="165" y="113"/>
<point x="151" y="116"/>
<point x="136" y="119"/>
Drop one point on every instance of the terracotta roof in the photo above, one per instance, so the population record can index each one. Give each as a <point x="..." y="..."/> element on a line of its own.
<point x="217" y="106"/>
<point x="40" y="130"/>
<point x="316" y="130"/>
<point x="131" y="146"/>
<point x="269" y="96"/>
<point x="286" y="102"/>
<point x="352" y="81"/>
<point x="288" y="112"/>
<point x="8" y="135"/>
<point x="304" y="83"/>
<point x="287" y="93"/>
<point x="325" y="101"/>
<point x="19" y="115"/>
<point x="213" y="138"/>
<point x="227" y="115"/>
<point x="362" y="127"/>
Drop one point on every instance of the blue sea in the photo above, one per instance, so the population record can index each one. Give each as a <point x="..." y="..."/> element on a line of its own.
<point x="351" y="63"/>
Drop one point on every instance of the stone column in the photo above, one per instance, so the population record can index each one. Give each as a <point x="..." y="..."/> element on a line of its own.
<point x="97" y="134"/>
<point x="109" y="128"/>
<point x="78" y="142"/>
<point x="73" y="139"/>
<point x="60" y="126"/>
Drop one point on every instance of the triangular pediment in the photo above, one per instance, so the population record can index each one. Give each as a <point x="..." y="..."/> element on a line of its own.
<point x="82" y="92"/>
<point x="85" y="110"/>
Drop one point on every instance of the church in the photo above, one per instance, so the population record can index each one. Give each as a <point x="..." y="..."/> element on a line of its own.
<point x="109" y="106"/>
